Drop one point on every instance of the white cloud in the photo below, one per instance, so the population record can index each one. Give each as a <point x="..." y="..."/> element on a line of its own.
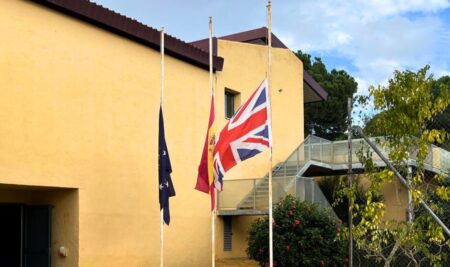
<point x="389" y="7"/>
<point x="377" y="36"/>
<point x="441" y="72"/>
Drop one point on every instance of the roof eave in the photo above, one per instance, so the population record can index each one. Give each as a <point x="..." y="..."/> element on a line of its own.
<point x="132" y="29"/>
<point x="307" y="78"/>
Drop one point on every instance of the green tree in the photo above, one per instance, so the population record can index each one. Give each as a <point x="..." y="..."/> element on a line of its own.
<point x="407" y="107"/>
<point x="328" y="119"/>
<point x="442" y="120"/>
<point x="331" y="188"/>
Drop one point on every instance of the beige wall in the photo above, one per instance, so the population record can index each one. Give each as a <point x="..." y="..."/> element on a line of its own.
<point x="240" y="227"/>
<point x="395" y="196"/>
<point x="244" y="69"/>
<point x="79" y="109"/>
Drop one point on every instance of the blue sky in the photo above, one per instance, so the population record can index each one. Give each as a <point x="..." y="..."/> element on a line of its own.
<point x="367" y="38"/>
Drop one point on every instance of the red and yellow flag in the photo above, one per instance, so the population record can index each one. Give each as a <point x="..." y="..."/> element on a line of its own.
<point x="205" y="178"/>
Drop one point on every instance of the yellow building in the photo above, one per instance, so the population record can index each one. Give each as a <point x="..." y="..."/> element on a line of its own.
<point x="78" y="139"/>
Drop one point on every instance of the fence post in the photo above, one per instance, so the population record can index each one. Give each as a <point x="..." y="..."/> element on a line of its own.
<point x="350" y="182"/>
<point x="295" y="186"/>
<point x="321" y="150"/>
<point x="254" y="194"/>
<point x="410" y="200"/>
<point x="309" y="150"/>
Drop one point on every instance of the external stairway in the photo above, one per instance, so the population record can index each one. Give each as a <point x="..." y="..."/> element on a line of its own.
<point x="313" y="157"/>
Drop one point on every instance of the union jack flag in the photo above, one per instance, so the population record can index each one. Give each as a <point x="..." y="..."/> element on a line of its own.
<point x="246" y="134"/>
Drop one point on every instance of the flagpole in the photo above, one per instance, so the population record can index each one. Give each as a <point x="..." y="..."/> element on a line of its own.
<point x="161" y="260"/>
<point x="269" y="66"/>
<point x="213" y="211"/>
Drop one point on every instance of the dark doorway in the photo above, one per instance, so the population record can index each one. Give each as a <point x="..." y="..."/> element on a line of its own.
<point x="10" y="235"/>
<point x="25" y="235"/>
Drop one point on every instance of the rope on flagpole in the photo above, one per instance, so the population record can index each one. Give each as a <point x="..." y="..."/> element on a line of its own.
<point x="162" y="108"/>
<point x="269" y="66"/>
<point x="213" y="214"/>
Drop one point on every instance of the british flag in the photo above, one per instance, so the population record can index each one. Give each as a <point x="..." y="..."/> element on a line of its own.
<point x="246" y="134"/>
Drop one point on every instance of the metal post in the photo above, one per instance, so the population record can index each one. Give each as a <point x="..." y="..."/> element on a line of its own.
<point x="213" y="212"/>
<point x="295" y="186"/>
<point x="269" y="66"/>
<point x="332" y="152"/>
<point x="161" y="219"/>
<point x="254" y="194"/>
<point x="410" y="200"/>
<point x="350" y="182"/>
<point x="309" y="150"/>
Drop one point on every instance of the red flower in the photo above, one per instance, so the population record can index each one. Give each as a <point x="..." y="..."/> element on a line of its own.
<point x="338" y="229"/>
<point x="296" y="223"/>
<point x="291" y="213"/>
<point x="340" y="221"/>
<point x="322" y="263"/>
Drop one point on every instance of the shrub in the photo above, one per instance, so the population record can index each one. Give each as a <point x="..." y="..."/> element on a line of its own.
<point x="303" y="235"/>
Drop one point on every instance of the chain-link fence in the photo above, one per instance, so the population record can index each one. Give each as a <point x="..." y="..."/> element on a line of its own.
<point x="409" y="255"/>
<point x="404" y="249"/>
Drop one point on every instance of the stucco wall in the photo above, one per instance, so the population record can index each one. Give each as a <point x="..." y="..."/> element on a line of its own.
<point x="244" y="69"/>
<point x="79" y="108"/>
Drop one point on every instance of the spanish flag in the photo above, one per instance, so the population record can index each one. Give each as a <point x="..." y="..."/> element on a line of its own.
<point x="205" y="178"/>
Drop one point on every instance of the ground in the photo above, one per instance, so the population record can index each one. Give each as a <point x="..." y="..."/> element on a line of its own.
<point x="238" y="262"/>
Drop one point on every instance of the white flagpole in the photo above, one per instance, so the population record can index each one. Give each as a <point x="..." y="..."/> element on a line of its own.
<point x="269" y="66"/>
<point x="213" y="212"/>
<point x="161" y="260"/>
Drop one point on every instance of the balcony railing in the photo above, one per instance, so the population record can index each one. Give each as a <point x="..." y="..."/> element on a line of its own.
<point x="250" y="196"/>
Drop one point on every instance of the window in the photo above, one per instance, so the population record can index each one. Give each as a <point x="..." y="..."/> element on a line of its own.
<point x="227" y="233"/>
<point x="231" y="102"/>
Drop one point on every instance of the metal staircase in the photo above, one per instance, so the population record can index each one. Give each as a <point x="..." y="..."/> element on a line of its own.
<point x="313" y="157"/>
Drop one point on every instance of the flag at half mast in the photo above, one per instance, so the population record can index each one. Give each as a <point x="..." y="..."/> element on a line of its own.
<point x="166" y="189"/>
<point x="205" y="178"/>
<point x="247" y="134"/>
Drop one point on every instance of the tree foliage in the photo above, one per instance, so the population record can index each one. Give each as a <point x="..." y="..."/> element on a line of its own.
<point x="331" y="187"/>
<point x="407" y="107"/>
<point x="328" y="119"/>
<point x="442" y="120"/>
<point x="303" y="235"/>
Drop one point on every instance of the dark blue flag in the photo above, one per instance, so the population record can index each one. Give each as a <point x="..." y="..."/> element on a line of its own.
<point x="166" y="188"/>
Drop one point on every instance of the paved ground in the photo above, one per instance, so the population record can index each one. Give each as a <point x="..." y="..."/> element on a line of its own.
<point x="241" y="262"/>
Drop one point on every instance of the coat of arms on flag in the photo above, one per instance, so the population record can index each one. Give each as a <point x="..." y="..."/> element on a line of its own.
<point x="205" y="169"/>
<point x="246" y="134"/>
